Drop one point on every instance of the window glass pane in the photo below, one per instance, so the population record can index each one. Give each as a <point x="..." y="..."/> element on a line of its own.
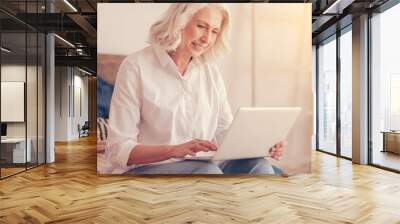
<point x="346" y="94"/>
<point x="41" y="98"/>
<point x="23" y="87"/>
<point x="31" y="96"/>
<point x="13" y="85"/>
<point x="327" y="97"/>
<point x="386" y="88"/>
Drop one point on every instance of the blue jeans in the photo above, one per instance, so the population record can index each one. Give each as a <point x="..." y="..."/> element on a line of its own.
<point x="240" y="166"/>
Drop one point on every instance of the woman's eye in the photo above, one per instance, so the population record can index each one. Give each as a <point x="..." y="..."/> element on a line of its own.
<point x="215" y="32"/>
<point x="200" y="26"/>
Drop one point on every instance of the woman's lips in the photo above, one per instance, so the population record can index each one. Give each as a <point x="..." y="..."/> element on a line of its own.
<point x="199" y="46"/>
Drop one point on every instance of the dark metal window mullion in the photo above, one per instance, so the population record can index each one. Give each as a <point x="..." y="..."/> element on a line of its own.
<point x="45" y="87"/>
<point x="317" y="96"/>
<point x="73" y="92"/>
<point x="338" y="98"/>
<point x="369" y="88"/>
<point x="44" y="79"/>
<point x="26" y="87"/>
<point x="37" y="90"/>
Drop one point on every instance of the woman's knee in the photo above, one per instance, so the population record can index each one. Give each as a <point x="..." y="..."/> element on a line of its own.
<point x="260" y="166"/>
<point x="247" y="166"/>
<point x="207" y="168"/>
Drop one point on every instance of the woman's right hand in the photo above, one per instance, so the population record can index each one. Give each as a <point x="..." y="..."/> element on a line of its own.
<point x="191" y="148"/>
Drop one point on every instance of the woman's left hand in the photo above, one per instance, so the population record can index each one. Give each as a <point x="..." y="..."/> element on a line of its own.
<point x="276" y="151"/>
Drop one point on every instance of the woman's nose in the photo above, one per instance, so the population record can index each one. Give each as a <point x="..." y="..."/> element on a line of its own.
<point x="205" y="38"/>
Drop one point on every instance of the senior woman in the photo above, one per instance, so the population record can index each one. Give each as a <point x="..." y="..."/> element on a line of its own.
<point x="170" y="101"/>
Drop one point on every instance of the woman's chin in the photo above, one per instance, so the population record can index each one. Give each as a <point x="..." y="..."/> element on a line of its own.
<point x="196" y="53"/>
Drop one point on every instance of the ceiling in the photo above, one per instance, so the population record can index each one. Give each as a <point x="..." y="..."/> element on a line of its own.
<point x="76" y="22"/>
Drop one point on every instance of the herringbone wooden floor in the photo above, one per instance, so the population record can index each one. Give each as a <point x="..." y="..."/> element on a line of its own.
<point x="70" y="191"/>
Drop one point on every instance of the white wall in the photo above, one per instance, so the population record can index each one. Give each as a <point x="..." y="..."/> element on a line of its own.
<point x="68" y="81"/>
<point x="80" y="84"/>
<point x="282" y="73"/>
<point x="270" y="62"/>
<point x="123" y="28"/>
<point x="13" y="72"/>
<point x="61" y="103"/>
<point x="17" y="73"/>
<point x="237" y="68"/>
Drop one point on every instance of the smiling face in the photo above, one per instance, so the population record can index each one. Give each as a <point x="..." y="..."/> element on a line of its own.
<point x="201" y="32"/>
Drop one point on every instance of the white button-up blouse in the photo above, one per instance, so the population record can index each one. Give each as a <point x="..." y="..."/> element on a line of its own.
<point x="154" y="104"/>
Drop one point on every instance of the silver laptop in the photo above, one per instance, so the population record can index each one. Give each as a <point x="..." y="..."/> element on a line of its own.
<point x="252" y="132"/>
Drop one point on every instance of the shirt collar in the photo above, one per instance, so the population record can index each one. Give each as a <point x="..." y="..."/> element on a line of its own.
<point x="166" y="60"/>
<point x="162" y="55"/>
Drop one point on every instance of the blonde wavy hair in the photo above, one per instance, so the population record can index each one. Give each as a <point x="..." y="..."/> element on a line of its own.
<point x="167" y="31"/>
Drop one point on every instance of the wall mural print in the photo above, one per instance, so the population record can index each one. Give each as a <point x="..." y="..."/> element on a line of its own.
<point x="204" y="88"/>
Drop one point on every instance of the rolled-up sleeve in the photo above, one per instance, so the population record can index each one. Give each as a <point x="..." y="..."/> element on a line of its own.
<point x="225" y="116"/>
<point x="124" y="117"/>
